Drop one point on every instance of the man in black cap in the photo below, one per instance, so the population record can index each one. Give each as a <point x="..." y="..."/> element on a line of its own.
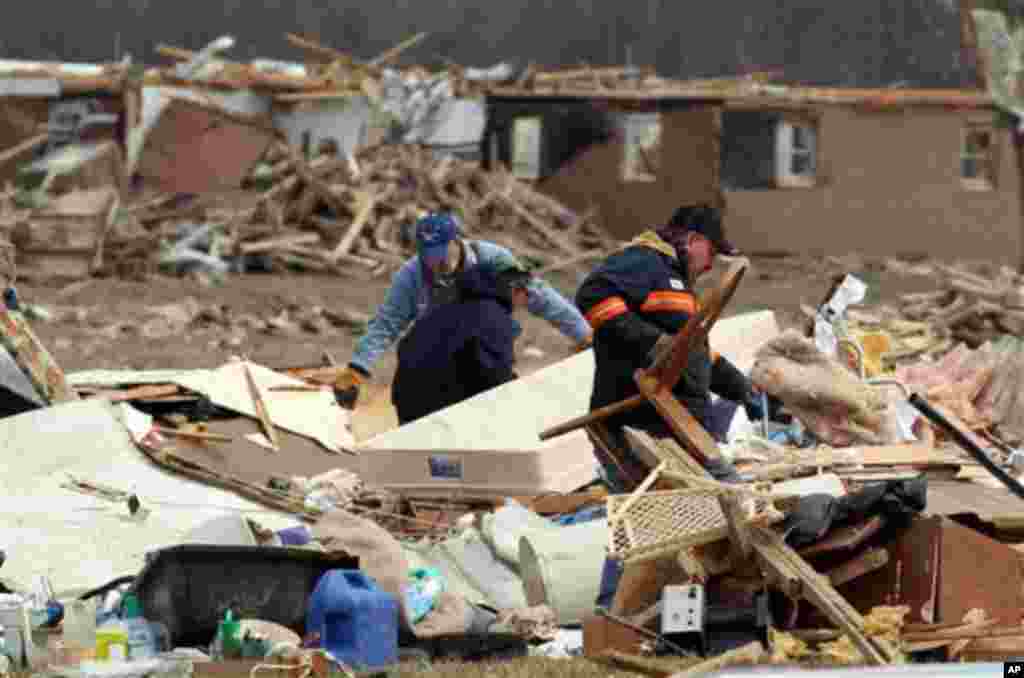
<point x="636" y="301"/>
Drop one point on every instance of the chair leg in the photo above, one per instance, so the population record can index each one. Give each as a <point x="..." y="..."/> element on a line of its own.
<point x="631" y="470"/>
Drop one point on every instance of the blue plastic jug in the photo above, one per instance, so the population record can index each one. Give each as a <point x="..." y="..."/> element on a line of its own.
<point x="350" y="617"/>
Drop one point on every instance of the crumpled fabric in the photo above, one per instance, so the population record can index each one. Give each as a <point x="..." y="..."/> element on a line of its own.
<point x="382" y="558"/>
<point x="816" y="514"/>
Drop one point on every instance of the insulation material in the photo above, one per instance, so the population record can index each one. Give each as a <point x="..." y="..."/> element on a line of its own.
<point x="883" y="623"/>
<point x="974" y="389"/>
<point x="836" y="406"/>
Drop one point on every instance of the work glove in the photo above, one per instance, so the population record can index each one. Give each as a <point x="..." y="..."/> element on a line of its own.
<point x="346" y="386"/>
<point x="661" y="352"/>
<point x="583" y="345"/>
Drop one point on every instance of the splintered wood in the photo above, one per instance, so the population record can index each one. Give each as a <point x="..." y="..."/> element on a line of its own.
<point x="797" y="579"/>
<point x="361" y="209"/>
<point x="969" y="306"/>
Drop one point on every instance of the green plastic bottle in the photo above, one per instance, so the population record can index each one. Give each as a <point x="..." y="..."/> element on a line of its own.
<point x="230" y="634"/>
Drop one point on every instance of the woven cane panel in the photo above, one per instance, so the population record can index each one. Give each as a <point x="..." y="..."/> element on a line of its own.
<point x="656" y="521"/>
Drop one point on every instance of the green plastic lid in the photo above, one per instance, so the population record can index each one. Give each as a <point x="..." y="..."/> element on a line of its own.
<point x="131" y="606"/>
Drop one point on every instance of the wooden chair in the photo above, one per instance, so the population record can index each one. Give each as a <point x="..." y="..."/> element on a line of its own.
<point x="656" y="384"/>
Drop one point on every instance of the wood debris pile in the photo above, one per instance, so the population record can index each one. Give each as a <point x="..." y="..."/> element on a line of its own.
<point x="329" y="214"/>
<point x="973" y="308"/>
<point x="333" y="211"/>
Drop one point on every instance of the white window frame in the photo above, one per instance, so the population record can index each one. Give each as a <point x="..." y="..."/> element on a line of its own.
<point x="527" y="143"/>
<point x="637" y="129"/>
<point x="786" y="152"/>
<point x="978" y="182"/>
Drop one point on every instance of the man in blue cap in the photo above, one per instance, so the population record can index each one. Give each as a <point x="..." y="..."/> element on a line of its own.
<point x="636" y="301"/>
<point x="430" y="279"/>
<point x="461" y="348"/>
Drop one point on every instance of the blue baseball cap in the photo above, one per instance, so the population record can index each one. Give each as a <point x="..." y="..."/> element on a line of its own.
<point x="433" y="233"/>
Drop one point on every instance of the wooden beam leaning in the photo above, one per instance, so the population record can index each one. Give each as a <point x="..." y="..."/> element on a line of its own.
<point x="797" y="579"/>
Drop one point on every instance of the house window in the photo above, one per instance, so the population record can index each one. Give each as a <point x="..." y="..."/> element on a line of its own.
<point x="977" y="167"/>
<point x="768" y="150"/>
<point x="526" y="148"/>
<point x="641" y="134"/>
<point x="796" y="153"/>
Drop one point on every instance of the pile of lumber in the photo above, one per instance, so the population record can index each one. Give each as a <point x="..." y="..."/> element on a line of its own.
<point x="972" y="308"/>
<point x="334" y="211"/>
<point x="344" y="215"/>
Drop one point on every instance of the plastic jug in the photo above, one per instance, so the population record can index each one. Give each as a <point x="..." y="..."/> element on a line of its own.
<point x="142" y="642"/>
<point x="350" y="617"/>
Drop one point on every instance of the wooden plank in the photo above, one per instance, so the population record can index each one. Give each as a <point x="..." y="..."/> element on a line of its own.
<point x="326" y="53"/>
<point x="785" y="565"/>
<point x="261" y="409"/>
<point x="963" y="634"/>
<point x="393" y="53"/>
<point x="751" y="653"/>
<point x="194" y="435"/>
<point x="655" y="451"/>
<point x="633" y="663"/>
<point x="915" y="455"/>
<point x="739" y="532"/>
<point x="688" y="431"/>
<point x="176" y="464"/>
<point x="559" y="504"/>
<point x="869" y="561"/>
<point x="306" y="173"/>
<point x="544" y="229"/>
<point x="144" y="392"/>
<point x="276" y="243"/>
<point x="26" y="146"/>
<point x="34" y="360"/>
<point x="368" y="203"/>
<point x="642" y="582"/>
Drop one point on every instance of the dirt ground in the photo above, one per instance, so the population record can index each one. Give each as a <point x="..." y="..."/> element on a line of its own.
<point x="150" y="324"/>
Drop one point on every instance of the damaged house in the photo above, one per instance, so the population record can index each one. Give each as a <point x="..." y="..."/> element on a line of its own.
<point x="878" y="171"/>
<point x="56" y="118"/>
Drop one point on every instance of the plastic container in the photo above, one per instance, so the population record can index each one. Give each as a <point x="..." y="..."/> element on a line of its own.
<point x="350" y="617"/>
<point x="421" y="593"/>
<point x="228" y="644"/>
<point x="562" y="568"/>
<point x="12" y="621"/>
<point x="142" y="643"/>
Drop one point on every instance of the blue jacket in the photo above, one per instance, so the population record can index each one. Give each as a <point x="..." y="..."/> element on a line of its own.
<point x="409" y="299"/>
<point x="456" y="350"/>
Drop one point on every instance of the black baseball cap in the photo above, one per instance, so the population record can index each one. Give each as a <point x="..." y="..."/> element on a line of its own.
<point x="707" y="221"/>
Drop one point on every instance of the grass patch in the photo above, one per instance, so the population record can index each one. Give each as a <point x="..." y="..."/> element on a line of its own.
<point x="531" y="667"/>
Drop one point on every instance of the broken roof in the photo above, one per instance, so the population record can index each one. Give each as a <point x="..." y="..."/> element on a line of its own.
<point x="741" y="93"/>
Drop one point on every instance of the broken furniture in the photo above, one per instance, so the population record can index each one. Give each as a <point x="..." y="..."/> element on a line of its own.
<point x="657" y="382"/>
